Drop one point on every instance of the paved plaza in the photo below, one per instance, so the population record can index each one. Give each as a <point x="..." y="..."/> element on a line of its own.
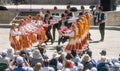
<point x="111" y="43"/>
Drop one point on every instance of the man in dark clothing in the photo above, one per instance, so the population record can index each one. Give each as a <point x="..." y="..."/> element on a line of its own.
<point x="62" y="23"/>
<point x="101" y="22"/>
<point x="69" y="12"/>
<point x="48" y="33"/>
<point x="55" y="13"/>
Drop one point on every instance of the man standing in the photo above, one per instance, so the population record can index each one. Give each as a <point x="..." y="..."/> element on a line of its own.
<point x="101" y="22"/>
<point x="55" y="13"/>
<point x="95" y="14"/>
<point x="61" y="25"/>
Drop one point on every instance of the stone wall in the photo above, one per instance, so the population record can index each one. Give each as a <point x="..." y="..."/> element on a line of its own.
<point x="113" y="18"/>
<point x="64" y="2"/>
<point x="7" y="16"/>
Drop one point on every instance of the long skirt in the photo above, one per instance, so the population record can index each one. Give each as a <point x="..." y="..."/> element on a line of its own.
<point x="71" y="45"/>
<point x="78" y="44"/>
<point x="24" y="41"/>
<point x="15" y="44"/>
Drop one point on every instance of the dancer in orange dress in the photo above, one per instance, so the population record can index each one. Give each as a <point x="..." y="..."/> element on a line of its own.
<point x="41" y="36"/>
<point x="72" y="37"/>
<point x="14" y="38"/>
<point x="24" y="40"/>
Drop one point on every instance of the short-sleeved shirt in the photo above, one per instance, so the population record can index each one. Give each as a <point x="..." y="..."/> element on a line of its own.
<point x="5" y="60"/>
<point x="19" y="68"/>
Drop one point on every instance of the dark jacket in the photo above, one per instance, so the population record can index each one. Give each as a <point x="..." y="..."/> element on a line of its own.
<point x="57" y="14"/>
<point x="102" y="67"/>
<point x="101" y="16"/>
<point x="65" y="23"/>
<point x="49" y="27"/>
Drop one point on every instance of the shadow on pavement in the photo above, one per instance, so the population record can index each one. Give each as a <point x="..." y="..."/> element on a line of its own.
<point x="95" y="41"/>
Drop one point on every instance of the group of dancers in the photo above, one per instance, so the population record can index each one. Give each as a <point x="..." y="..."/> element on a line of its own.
<point x="28" y="31"/>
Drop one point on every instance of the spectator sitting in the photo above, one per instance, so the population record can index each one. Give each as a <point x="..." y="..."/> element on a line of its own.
<point x="30" y="69"/>
<point x="59" y="66"/>
<point x="37" y="57"/>
<point x="69" y="56"/>
<point x="115" y="67"/>
<point x="66" y="69"/>
<point x="4" y="58"/>
<point x="80" y="67"/>
<point x="38" y="67"/>
<point x="20" y="66"/>
<point x="10" y="53"/>
<point x="43" y="51"/>
<point x="86" y="62"/>
<point x="103" y="66"/>
<point x="93" y="69"/>
<point x="54" y="60"/>
<point x="46" y="65"/>
<point x="76" y="58"/>
<point x="68" y="64"/>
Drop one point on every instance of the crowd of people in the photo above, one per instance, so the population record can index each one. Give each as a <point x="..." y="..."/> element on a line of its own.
<point x="37" y="60"/>
<point x="75" y="56"/>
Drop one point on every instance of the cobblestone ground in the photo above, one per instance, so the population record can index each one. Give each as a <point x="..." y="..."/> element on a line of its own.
<point x="111" y="43"/>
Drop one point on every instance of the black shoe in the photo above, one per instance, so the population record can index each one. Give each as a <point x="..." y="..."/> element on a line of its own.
<point x="46" y="43"/>
<point x="101" y="40"/>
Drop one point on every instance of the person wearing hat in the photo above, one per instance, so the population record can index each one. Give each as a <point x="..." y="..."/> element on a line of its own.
<point x="80" y="67"/>
<point x="103" y="53"/>
<point x="59" y="66"/>
<point x="54" y="61"/>
<point x="22" y="64"/>
<point x="37" y="57"/>
<point x="115" y="67"/>
<point x="93" y="69"/>
<point x="10" y="53"/>
<point x="4" y="58"/>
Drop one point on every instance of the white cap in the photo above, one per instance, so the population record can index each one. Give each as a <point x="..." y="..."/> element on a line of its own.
<point x="30" y="69"/>
<point x="114" y="60"/>
<point x="4" y="53"/>
<point x="117" y="65"/>
<point x="19" y="59"/>
<point x="55" y="55"/>
<point x="28" y="50"/>
<point x="80" y="66"/>
<point x="87" y="70"/>
<point x="66" y="69"/>
<point x="93" y="69"/>
<point x="59" y="66"/>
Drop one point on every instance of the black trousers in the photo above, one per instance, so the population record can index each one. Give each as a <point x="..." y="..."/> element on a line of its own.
<point x="62" y="39"/>
<point x="95" y="18"/>
<point x="54" y="30"/>
<point x="102" y="30"/>
<point x="49" y="36"/>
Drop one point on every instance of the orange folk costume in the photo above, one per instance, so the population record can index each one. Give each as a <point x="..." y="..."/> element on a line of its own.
<point x="41" y="36"/>
<point x="72" y="36"/>
<point x="24" y="37"/>
<point x="78" y="35"/>
<point x="14" y="38"/>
